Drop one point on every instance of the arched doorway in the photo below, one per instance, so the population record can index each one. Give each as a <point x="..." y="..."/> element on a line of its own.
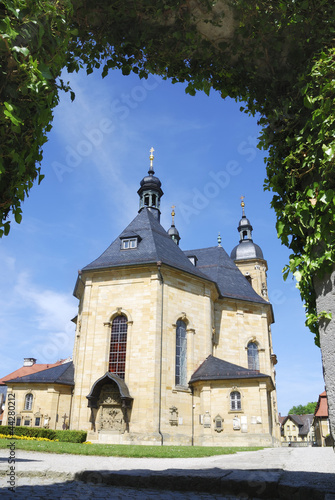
<point x="110" y="404"/>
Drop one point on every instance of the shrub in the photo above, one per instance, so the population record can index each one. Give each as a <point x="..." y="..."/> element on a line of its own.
<point x="71" y="436"/>
<point x="61" y="436"/>
<point x="28" y="431"/>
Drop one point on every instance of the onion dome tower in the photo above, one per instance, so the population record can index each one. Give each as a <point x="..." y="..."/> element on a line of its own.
<point x="173" y="231"/>
<point x="150" y="191"/>
<point x="249" y="257"/>
<point x="246" y="249"/>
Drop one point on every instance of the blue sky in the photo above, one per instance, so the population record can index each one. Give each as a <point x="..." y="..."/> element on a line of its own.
<point x="97" y="153"/>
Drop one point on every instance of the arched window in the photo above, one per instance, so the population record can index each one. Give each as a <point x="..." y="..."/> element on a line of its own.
<point x="181" y="372"/>
<point x="28" y="402"/>
<point x="248" y="277"/>
<point x="235" y="401"/>
<point x="253" y="361"/>
<point x="118" y="347"/>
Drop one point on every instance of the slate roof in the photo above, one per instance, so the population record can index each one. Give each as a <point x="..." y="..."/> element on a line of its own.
<point x="306" y="421"/>
<point x="61" y="374"/>
<point x="217" y="369"/>
<point x="246" y="249"/>
<point x="303" y="422"/>
<point x="28" y="370"/>
<point x="215" y="263"/>
<point x="155" y="246"/>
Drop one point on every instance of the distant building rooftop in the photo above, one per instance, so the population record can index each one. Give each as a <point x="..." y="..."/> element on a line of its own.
<point x="29" y="370"/>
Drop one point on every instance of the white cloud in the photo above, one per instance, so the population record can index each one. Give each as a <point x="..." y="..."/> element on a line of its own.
<point x="35" y="321"/>
<point x="49" y="309"/>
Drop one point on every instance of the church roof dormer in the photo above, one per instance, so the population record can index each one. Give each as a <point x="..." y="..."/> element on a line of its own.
<point x="150" y="191"/>
<point x="144" y="241"/>
<point x="246" y="249"/>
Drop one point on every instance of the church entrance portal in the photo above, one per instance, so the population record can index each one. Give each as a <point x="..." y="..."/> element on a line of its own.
<point x="110" y="404"/>
<point x="111" y="415"/>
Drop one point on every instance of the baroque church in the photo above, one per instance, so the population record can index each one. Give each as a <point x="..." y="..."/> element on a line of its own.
<point x="171" y="346"/>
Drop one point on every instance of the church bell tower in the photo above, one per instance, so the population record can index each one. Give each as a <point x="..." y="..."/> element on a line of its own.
<point x="249" y="257"/>
<point x="150" y="191"/>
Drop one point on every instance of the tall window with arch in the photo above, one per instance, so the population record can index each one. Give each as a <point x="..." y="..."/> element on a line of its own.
<point x="235" y="401"/>
<point x="28" y="402"/>
<point x="118" y="346"/>
<point x="181" y="350"/>
<point x="253" y="359"/>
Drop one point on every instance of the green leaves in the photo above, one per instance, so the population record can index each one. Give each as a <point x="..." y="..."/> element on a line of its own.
<point x="33" y="46"/>
<point x="18" y="215"/>
<point x="45" y="71"/>
<point x="309" y="408"/>
<point x="329" y="150"/>
<point x="8" y="112"/>
<point x="21" y="50"/>
<point x="301" y="170"/>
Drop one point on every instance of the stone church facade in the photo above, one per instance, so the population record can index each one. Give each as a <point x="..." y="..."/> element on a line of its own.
<point x="171" y="346"/>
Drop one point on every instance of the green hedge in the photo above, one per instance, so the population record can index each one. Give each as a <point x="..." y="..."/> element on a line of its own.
<point x="28" y="431"/>
<point x="71" y="436"/>
<point x="62" y="436"/>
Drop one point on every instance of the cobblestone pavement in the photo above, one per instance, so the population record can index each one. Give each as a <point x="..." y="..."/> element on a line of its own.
<point x="276" y="473"/>
<point x="41" y="489"/>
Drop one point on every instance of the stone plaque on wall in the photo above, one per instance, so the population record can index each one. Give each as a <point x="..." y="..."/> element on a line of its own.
<point x="111" y="416"/>
<point x="236" y="424"/>
<point x="207" y="419"/>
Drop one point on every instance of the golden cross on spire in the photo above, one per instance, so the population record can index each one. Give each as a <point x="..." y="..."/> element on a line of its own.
<point x="173" y="213"/>
<point x="242" y="205"/>
<point x="151" y="158"/>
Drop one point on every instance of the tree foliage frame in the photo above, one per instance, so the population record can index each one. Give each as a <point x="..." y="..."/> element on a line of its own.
<point x="275" y="57"/>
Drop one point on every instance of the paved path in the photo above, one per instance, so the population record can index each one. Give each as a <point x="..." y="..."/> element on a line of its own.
<point x="276" y="473"/>
<point x="77" y="490"/>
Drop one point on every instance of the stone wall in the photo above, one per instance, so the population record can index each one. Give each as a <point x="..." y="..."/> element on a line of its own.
<point x="50" y="404"/>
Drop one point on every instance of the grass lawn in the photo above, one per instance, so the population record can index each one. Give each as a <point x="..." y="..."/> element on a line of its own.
<point x="135" y="451"/>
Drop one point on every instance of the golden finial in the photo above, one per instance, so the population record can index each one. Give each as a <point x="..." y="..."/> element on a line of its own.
<point x="219" y="240"/>
<point x="242" y="205"/>
<point x="151" y="158"/>
<point x="173" y="213"/>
